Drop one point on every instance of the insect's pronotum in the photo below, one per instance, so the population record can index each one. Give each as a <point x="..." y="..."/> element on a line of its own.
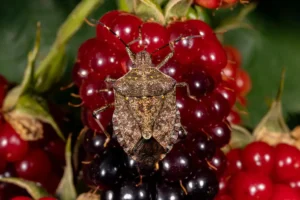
<point x="146" y="120"/>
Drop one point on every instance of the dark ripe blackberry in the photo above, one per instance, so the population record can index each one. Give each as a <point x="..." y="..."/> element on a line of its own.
<point x="110" y="194"/>
<point x="166" y="191"/>
<point x="177" y="164"/>
<point x="218" y="106"/>
<point x="94" y="142"/>
<point x="132" y="171"/>
<point x="106" y="170"/>
<point x="132" y="191"/>
<point x="200" y="145"/>
<point x="218" y="162"/>
<point x="204" y="184"/>
<point x="200" y="81"/>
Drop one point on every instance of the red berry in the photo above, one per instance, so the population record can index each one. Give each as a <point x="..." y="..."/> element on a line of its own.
<point x="258" y="157"/>
<point x="220" y="133"/>
<point x="212" y="4"/>
<point x="85" y="49"/>
<point x="234" y="117"/>
<point x="223" y="197"/>
<point x="211" y="55"/>
<point x="223" y="183"/>
<point x="3" y="163"/>
<point x="176" y="165"/>
<point x="105" y="118"/>
<point x="295" y="184"/>
<point x="194" y="114"/>
<point x="110" y="16"/>
<point x="243" y="82"/>
<point x="21" y="198"/>
<point x="287" y="162"/>
<point x="51" y="183"/>
<point x="203" y="29"/>
<point x="56" y="149"/>
<point x="234" y="161"/>
<point x="94" y="94"/>
<point x="229" y="74"/>
<point x="185" y="50"/>
<point x="200" y="145"/>
<point x="227" y="92"/>
<point x="125" y="25"/>
<point x="200" y="82"/>
<point x="105" y="61"/>
<point x="174" y="69"/>
<point x="151" y="40"/>
<point x="284" y="192"/>
<point x="35" y="166"/>
<point x="11" y="145"/>
<point x="233" y="54"/>
<point x="248" y="186"/>
<point x="218" y="106"/>
<point x="80" y="73"/>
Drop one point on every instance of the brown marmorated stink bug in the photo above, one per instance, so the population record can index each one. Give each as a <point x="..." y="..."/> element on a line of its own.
<point x="146" y="120"/>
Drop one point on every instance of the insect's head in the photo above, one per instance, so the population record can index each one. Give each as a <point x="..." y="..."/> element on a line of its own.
<point x="143" y="59"/>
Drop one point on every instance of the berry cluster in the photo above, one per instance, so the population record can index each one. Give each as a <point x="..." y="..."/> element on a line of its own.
<point x="237" y="79"/>
<point x="260" y="171"/>
<point x="32" y="161"/>
<point x="191" y="168"/>
<point x="214" y="4"/>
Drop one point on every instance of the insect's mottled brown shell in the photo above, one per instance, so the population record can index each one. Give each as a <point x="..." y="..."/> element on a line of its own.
<point x="146" y="114"/>
<point x="144" y="82"/>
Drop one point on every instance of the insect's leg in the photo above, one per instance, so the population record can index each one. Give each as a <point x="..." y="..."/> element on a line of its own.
<point x="183" y="84"/>
<point x="141" y="177"/>
<point x="168" y="57"/>
<point x="183" y="188"/>
<point x="95" y="113"/>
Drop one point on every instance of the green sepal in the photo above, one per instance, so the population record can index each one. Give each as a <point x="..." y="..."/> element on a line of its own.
<point x="37" y="107"/>
<point x="199" y="13"/>
<point x="274" y="121"/>
<point x="35" y="191"/>
<point x="66" y="189"/>
<point x="240" y="137"/>
<point x="177" y="8"/>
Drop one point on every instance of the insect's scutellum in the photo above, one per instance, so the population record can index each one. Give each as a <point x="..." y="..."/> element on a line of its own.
<point x="145" y="101"/>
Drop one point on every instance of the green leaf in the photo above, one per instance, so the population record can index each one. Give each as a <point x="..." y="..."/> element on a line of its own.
<point x="32" y="188"/>
<point x="36" y="107"/>
<point x="66" y="189"/>
<point x="273" y="44"/>
<point x="16" y="36"/>
<point x="177" y="8"/>
<point x="240" y="137"/>
<point x="53" y="66"/>
<point x="28" y="79"/>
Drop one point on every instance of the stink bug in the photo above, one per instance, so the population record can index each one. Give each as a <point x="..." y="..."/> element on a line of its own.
<point x="146" y="120"/>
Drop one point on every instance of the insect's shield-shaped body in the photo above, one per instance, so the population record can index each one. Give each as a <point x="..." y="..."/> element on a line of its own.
<point x="146" y="120"/>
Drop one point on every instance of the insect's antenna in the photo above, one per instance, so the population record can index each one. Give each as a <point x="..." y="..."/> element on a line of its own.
<point x="130" y="53"/>
<point x="180" y="38"/>
<point x="109" y="29"/>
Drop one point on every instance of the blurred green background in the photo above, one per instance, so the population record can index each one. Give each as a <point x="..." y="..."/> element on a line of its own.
<point x="272" y="44"/>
